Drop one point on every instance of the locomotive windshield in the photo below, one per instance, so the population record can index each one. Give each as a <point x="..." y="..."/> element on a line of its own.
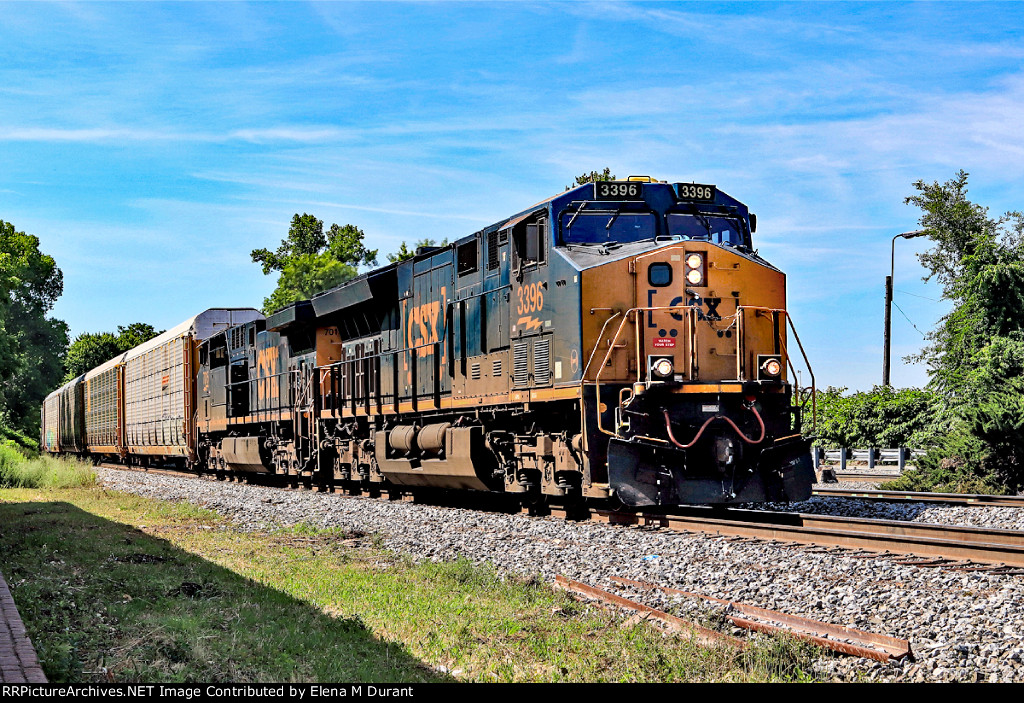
<point x="622" y="225"/>
<point x="720" y="230"/>
<point x="600" y="227"/>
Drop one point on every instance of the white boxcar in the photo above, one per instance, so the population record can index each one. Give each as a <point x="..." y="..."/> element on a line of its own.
<point x="159" y="383"/>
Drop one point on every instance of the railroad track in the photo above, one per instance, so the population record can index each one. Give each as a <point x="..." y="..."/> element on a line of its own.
<point x="911" y="496"/>
<point x="937" y="545"/>
<point x="854" y="476"/>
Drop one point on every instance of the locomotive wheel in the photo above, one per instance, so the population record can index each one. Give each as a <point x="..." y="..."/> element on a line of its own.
<point x="535" y="503"/>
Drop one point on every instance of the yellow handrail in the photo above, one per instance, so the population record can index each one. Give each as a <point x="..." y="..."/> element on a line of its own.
<point x="737" y="320"/>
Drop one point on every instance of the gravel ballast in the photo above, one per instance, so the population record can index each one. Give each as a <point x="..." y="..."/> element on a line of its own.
<point x="962" y="625"/>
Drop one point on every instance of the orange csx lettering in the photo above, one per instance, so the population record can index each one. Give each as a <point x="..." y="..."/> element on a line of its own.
<point x="266" y="366"/>
<point x="423" y="330"/>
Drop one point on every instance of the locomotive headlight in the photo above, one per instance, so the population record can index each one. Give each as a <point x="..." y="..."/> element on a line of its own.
<point x="769" y="367"/>
<point x="662" y="367"/>
<point x="695" y="269"/>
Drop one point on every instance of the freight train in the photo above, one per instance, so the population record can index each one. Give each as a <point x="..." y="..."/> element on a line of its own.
<point x="621" y="342"/>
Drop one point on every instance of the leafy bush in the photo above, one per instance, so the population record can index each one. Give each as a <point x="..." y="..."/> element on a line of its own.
<point x="982" y="453"/>
<point x="883" y="417"/>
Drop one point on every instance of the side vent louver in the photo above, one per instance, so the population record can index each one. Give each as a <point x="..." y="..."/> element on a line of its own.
<point x="492" y="251"/>
<point x="521" y="364"/>
<point x="542" y="362"/>
<point x="474" y="372"/>
<point x="496" y="369"/>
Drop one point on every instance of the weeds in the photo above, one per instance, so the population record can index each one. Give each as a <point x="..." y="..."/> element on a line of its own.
<point x="19" y="471"/>
<point x="115" y="587"/>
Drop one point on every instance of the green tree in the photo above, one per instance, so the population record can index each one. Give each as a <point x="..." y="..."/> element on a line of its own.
<point x="91" y="349"/>
<point x="309" y="261"/>
<point x="137" y="333"/>
<point x="404" y="252"/>
<point x="593" y="177"/>
<point x="979" y="260"/>
<point x="976" y="352"/>
<point x="87" y="351"/>
<point x="31" y="344"/>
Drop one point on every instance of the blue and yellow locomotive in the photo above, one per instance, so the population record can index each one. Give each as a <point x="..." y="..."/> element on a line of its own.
<point x="620" y="341"/>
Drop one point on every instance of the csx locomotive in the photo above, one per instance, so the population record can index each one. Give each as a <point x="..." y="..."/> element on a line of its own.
<point x="619" y="342"/>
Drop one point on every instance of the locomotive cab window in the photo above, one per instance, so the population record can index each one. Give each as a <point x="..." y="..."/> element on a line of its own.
<point x="218" y="357"/>
<point x="659" y="275"/>
<point x="530" y="239"/>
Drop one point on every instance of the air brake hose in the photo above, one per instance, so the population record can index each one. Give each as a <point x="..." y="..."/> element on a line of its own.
<point x="668" y="427"/>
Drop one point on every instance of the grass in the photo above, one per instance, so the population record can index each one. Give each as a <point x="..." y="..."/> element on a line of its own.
<point x="19" y="471"/>
<point x="118" y="587"/>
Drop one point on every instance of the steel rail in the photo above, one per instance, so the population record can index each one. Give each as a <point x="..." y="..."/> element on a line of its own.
<point x="943" y="542"/>
<point x="978" y="544"/>
<point x="852" y="476"/>
<point x="973" y="499"/>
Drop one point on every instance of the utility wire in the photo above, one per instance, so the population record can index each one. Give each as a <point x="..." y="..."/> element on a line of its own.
<point x="934" y="300"/>
<point x="923" y="335"/>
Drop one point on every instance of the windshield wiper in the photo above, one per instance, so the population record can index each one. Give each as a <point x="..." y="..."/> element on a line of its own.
<point x="703" y="220"/>
<point x="576" y="214"/>
<point x="614" y="217"/>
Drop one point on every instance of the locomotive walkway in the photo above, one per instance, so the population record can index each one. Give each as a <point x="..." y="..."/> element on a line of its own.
<point x="18" y="661"/>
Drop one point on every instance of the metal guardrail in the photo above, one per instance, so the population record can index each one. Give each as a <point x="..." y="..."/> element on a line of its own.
<point x="873" y="456"/>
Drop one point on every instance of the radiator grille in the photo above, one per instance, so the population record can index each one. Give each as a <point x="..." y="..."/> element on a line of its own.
<point x="521" y="364"/>
<point x="542" y="362"/>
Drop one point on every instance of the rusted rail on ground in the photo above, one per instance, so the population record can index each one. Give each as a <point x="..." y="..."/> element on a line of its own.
<point x="838" y="638"/>
<point x="685" y="628"/>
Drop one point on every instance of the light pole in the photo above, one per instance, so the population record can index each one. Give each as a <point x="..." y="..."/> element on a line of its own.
<point x="888" y="302"/>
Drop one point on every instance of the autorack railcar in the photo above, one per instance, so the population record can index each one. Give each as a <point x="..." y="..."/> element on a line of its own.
<point x="140" y="404"/>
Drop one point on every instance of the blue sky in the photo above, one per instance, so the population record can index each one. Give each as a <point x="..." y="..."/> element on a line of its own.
<point x="152" y="146"/>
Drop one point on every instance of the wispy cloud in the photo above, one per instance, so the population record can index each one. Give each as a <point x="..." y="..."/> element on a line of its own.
<point x="303" y="134"/>
<point x="183" y="135"/>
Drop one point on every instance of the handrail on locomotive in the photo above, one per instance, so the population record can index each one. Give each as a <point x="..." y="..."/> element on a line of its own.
<point x="691" y="314"/>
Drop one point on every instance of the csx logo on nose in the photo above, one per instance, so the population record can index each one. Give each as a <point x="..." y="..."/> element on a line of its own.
<point x="712" y="306"/>
<point x="700" y="303"/>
